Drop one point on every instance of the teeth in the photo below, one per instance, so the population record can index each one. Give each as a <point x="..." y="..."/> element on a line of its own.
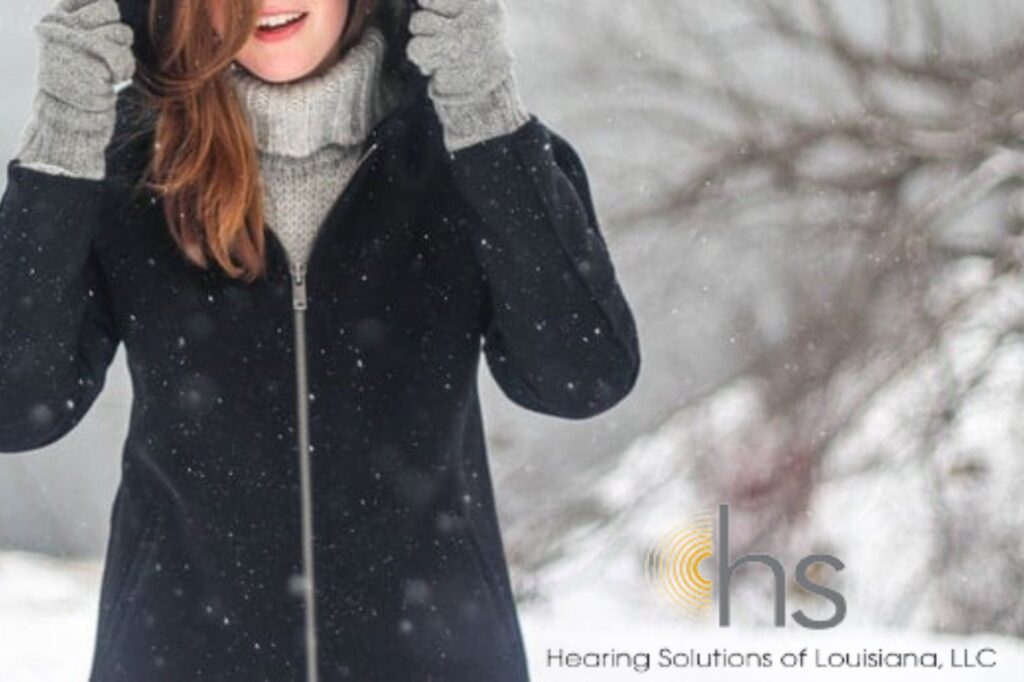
<point x="275" y="20"/>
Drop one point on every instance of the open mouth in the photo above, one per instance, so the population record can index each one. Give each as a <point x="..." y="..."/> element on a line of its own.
<point x="278" y="26"/>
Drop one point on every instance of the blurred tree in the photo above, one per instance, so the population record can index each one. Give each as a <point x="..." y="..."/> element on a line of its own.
<point x="869" y="155"/>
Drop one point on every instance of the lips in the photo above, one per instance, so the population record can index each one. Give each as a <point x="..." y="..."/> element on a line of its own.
<point x="280" y="26"/>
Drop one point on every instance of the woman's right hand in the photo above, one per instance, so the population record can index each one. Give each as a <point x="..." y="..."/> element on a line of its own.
<point x="85" y="50"/>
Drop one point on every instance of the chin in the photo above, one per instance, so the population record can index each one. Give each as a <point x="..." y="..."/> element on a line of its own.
<point x="282" y="70"/>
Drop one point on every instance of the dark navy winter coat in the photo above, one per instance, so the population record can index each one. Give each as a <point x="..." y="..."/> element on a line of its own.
<point x="426" y="259"/>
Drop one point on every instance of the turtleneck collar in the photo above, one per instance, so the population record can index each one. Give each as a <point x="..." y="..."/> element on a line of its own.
<point x="339" y="106"/>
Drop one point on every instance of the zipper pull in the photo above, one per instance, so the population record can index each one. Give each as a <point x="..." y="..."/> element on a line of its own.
<point x="369" y="151"/>
<point x="299" y="288"/>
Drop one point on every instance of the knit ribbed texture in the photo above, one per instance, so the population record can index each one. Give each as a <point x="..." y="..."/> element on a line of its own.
<point x="339" y="106"/>
<point x="467" y="121"/>
<point x="309" y="134"/>
<point x="63" y="140"/>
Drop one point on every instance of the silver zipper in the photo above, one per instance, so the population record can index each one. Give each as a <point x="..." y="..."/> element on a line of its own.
<point x="305" y="481"/>
<point x="299" y="305"/>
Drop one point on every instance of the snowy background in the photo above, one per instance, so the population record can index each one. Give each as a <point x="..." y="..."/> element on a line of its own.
<point x="816" y="211"/>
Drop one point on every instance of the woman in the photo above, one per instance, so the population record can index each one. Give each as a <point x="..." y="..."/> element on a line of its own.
<point x="305" y="492"/>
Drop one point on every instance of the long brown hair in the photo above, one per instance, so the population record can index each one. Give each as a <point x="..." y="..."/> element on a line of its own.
<point x="204" y="160"/>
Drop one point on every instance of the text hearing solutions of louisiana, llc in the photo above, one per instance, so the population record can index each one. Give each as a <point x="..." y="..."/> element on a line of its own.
<point x="641" y="661"/>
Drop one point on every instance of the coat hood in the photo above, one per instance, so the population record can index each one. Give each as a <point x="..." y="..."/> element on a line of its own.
<point x="393" y="18"/>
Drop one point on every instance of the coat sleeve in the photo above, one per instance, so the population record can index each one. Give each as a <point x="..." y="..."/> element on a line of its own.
<point x="57" y="332"/>
<point x="560" y="337"/>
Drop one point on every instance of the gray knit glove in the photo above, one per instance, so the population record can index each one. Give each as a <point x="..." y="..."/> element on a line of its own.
<point x="85" y="54"/>
<point x="461" y="45"/>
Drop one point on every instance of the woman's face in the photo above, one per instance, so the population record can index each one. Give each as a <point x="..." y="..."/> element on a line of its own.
<point x="295" y="38"/>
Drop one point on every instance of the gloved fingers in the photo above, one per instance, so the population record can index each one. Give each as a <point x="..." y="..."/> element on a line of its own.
<point x="87" y="13"/>
<point x="424" y="22"/>
<point x="109" y="43"/>
<point x="81" y="68"/>
<point x="425" y="52"/>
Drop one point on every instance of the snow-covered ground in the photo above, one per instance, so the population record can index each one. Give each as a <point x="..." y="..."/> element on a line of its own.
<point x="47" y="615"/>
<point x="48" y="611"/>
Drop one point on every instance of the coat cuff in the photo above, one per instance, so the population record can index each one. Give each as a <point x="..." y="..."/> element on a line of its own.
<point x="65" y="140"/>
<point x="466" y="122"/>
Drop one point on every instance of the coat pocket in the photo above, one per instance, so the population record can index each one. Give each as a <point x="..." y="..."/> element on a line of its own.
<point x="126" y="591"/>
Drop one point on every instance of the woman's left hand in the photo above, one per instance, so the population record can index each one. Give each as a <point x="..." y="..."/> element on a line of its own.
<point x="462" y="46"/>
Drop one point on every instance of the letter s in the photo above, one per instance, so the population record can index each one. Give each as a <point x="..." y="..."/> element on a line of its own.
<point x="833" y="596"/>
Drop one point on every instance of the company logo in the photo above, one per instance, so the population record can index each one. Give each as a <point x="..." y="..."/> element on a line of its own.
<point x="672" y="567"/>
